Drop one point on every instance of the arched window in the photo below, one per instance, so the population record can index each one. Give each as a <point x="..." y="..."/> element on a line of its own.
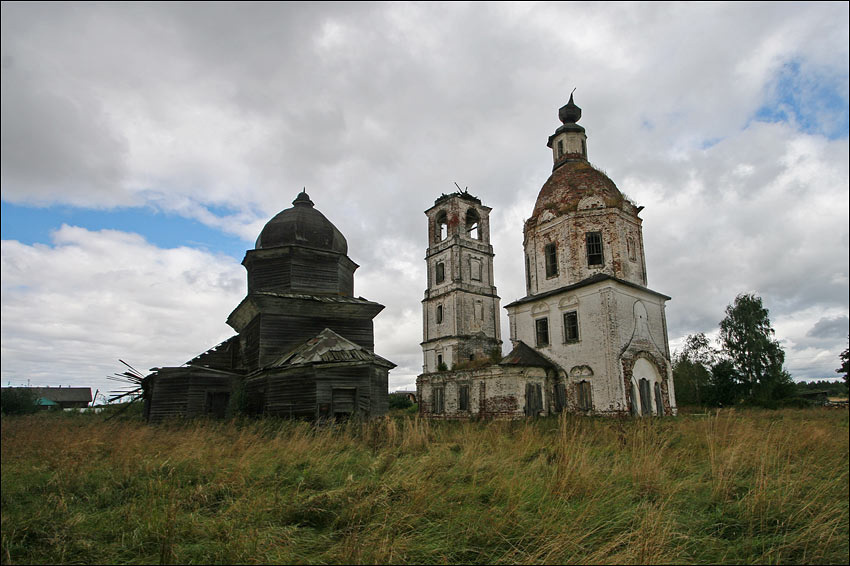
<point x="473" y="224"/>
<point x="442" y="226"/>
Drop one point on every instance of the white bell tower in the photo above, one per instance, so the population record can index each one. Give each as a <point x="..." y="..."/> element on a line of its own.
<point x="461" y="308"/>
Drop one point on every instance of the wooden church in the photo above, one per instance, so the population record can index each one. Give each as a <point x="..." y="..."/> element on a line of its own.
<point x="304" y="345"/>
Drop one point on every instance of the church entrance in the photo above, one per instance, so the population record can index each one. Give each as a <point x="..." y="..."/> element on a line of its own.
<point x="343" y="401"/>
<point x="648" y="399"/>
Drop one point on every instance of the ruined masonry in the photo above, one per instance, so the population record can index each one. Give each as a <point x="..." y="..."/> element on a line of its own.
<point x="589" y="336"/>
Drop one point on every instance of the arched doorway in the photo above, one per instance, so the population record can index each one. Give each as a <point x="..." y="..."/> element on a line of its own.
<point x="646" y="389"/>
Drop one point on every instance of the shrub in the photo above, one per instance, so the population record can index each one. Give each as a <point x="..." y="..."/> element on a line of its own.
<point x="18" y="401"/>
<point x="399" y="401"/>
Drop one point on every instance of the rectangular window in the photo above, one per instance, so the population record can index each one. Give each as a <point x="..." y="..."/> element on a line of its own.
<point x="441" y="272"/>
<point x="533" y="399"/>
<point x="475" y="269"/>
<point x="560" y="148"/>
<point x="541" y="325"/>
<point x="571" y="326"/>
<point x="594" y="248"/>
<point x="585" y="403"/>
<point x="463" y="398"/>
<point x="439" y="401"/>
<point x="560" y="397"/>
<point x="439" y="314"/>
<point x="551" y="253"/>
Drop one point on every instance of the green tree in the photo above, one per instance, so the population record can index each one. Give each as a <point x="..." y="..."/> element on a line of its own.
<point x="724" y="388"/>
<point x="399" y="401"/>
<point x="18" y="401"/>
<point x="747" y="340"/>
<point x="845" y="365"/>
<point x="691" y="374"/>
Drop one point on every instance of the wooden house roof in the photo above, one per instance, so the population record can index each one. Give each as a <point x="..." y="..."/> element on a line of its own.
<point x="328" y="347"/>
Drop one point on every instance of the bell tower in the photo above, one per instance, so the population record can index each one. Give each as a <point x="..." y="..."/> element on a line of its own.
<point x="461" y="308"/>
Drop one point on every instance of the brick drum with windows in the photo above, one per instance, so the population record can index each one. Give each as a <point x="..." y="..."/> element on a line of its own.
<point x="589" y="336"/>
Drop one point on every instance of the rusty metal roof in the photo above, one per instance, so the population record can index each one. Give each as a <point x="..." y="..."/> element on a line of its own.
<point x="525" y="355"/>
<point x="596" y="278"/>
<point x="60" y="394"/>
<point x="328" y="347"/>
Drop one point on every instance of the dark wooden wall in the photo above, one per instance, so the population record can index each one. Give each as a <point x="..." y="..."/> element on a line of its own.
<point x="308" y="392"/>
<point x="293" y="269"/>
<point x="182" y="391"/>
<point x="280" y="333"/>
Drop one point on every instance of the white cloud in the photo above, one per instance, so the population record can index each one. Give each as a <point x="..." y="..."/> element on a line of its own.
<point x="71" y="309"/>
<point x="222" y="114"/>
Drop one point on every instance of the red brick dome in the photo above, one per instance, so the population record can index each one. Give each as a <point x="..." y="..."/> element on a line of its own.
<point x="570" y="183"/>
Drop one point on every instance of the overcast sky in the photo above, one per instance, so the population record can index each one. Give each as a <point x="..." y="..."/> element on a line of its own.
<point x="144" y="146"/>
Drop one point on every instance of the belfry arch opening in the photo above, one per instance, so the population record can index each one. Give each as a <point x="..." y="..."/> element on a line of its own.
<point x="473" y="224"/>
<point x="441" y="226"/>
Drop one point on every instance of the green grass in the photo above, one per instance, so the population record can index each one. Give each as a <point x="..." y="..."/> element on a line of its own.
<point x="733" y="487"/>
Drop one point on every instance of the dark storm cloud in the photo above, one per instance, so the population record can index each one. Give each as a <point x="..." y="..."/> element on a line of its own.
<point x="834" y="328"/>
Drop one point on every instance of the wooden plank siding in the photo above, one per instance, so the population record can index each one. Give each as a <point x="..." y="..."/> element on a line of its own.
<point x="293" y="269"/>
<point x="291" y="393"/>
<point x="223" y="356"/>
<point x="250" y="340"/>
<point x="280" y="333"/>
<point x="181" y="392"/>
<point x="308" y="391"/>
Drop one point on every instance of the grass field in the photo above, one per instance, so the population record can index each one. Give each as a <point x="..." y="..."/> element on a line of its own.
<point x="732" y="487"/>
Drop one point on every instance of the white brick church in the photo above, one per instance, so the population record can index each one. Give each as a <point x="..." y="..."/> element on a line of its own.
<point x="588" y="337"/>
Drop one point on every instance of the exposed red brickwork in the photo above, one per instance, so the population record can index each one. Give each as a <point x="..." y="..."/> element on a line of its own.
<point x="570" y="183"/>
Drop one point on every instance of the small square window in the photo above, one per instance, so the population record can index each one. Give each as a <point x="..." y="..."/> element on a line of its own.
<point x="541" y="325"/>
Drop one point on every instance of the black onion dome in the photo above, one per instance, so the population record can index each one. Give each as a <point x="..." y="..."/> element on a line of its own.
<point x="569" y="113"/>
<point x="302" y="225"/>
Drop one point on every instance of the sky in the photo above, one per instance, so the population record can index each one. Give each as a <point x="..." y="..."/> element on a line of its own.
<point x="144" y="146"/>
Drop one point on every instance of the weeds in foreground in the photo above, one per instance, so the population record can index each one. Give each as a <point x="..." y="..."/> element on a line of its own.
<point x="733" y="486"/>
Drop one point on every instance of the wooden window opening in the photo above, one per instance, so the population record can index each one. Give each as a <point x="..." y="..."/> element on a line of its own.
<point x="541" y="326"/>
<point x="571" y="326"/>
<point x="594" y="248"/>
<point x="551" y="254"/>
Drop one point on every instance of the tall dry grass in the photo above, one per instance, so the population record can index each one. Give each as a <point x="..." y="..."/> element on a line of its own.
<point x="730" y="487"/>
